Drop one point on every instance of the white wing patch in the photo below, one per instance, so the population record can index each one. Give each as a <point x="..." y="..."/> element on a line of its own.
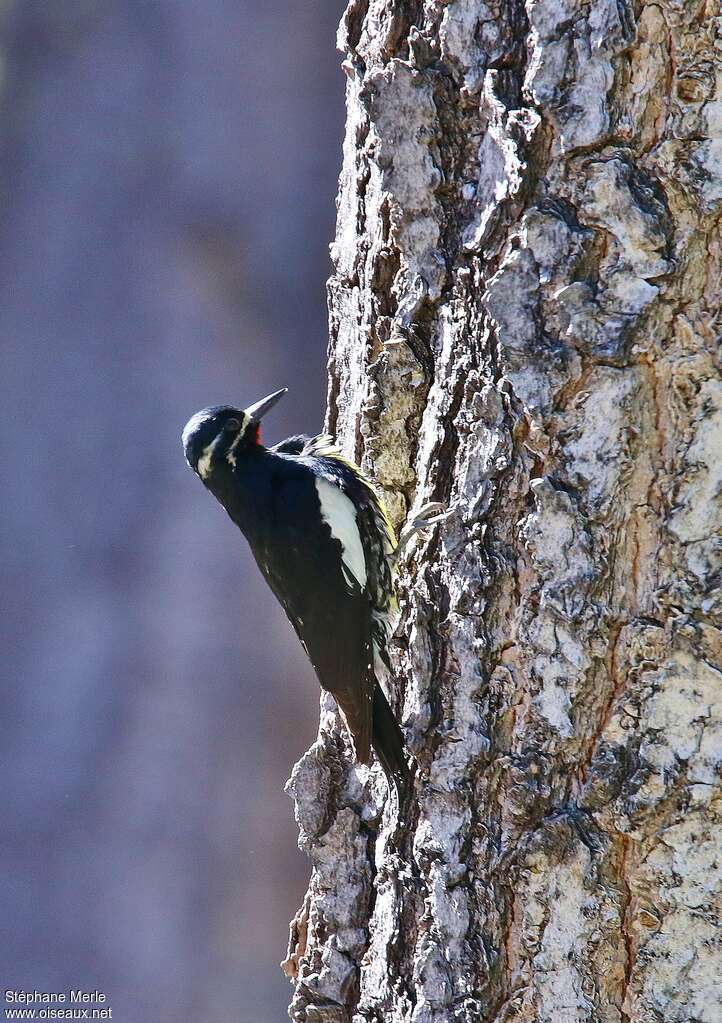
<point x="338" y="512"/>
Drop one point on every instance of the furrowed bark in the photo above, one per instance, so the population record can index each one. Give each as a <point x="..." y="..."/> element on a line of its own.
<point x="524" y="325"/>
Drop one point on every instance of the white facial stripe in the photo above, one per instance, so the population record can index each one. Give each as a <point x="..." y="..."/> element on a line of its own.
<point x="231" y="456"/>
<point x="338" y="512"/>
<point x="204" y="462"/>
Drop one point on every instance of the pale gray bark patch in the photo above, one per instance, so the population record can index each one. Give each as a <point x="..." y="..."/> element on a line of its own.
<point x="525" y="325"/>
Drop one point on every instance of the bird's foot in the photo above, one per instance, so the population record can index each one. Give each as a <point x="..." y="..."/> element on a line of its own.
<point x="430" y="514"/>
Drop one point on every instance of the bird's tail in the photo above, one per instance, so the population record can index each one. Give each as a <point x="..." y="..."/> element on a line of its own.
<point x="388" y="742"/>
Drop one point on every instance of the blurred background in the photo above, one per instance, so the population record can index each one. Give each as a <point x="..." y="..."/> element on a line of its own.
<point x="168" y="172"/>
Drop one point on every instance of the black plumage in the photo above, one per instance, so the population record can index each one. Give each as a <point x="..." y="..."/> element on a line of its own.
<point x="322" y="540"/>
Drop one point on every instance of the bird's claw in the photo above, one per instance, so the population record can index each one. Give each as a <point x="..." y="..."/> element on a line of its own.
<point x="430" y="514"/>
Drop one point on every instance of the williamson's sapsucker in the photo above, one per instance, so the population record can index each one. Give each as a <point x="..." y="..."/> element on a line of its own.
<point x="324" y="543"/>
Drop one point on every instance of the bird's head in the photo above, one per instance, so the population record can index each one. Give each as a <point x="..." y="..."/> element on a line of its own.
<point x="217" y="435"/>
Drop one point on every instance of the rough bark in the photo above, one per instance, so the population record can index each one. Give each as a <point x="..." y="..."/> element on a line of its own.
<point x="524" y="322"/>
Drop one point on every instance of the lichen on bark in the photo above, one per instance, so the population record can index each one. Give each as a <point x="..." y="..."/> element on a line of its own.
<point x="524" y="325"/>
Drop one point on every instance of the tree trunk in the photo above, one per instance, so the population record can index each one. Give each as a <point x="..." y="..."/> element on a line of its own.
<point x="523" y="317"/>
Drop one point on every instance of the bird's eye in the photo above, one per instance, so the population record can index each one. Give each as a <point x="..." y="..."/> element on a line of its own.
<point x="232" y="425"/>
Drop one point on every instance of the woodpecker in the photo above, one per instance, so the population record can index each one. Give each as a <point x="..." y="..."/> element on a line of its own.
<point x="324" y="543"/>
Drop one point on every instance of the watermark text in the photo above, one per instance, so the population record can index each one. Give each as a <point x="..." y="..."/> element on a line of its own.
<point x="72" y="1004"/>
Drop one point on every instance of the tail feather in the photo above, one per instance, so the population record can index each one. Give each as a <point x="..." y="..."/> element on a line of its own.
<point x="388" y="742"/>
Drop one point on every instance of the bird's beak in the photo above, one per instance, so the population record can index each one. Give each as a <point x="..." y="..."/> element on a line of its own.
<point x="258" y="410"/>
